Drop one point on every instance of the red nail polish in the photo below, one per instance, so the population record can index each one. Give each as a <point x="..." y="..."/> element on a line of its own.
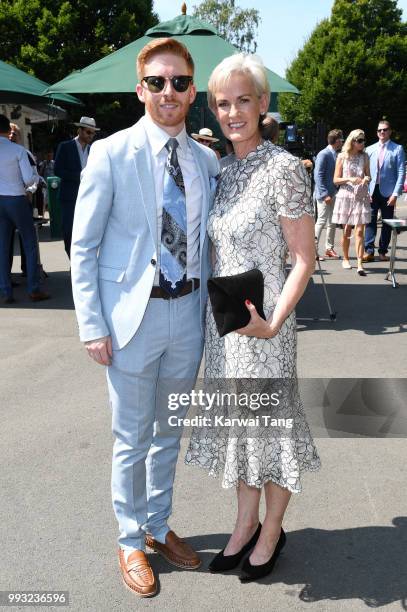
<point x="248" y="303"/>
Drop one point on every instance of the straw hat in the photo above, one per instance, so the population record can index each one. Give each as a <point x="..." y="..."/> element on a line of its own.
<point x="87" y="122"/>
<point x="205" y="134"/>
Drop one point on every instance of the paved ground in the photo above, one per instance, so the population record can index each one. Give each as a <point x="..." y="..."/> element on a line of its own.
<point x="347" y="532"/>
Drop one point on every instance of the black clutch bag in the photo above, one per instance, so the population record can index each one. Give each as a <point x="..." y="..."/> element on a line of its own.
<point x="228" y="295"/>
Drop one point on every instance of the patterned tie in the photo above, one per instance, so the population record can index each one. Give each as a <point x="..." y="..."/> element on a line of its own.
<point x="173" y="265"/>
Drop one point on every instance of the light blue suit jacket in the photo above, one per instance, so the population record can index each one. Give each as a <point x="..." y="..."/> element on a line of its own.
<point x="392" y="171"/>
<point x="324" y="174"/>
<point x="114" y="241"/>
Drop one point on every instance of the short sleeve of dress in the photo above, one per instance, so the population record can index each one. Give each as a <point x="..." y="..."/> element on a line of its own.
<point x="291" y="187"/>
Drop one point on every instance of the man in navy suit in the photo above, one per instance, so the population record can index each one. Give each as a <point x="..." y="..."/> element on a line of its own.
<point x="387" y="169"/>
<point x="70" y="159"/>
<point x="325" y="192"/>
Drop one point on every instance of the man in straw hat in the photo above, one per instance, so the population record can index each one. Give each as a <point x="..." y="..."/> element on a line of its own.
<point x="205" y="137"/>
<point x="70" y="159"/>
<point x="140" y="264"/>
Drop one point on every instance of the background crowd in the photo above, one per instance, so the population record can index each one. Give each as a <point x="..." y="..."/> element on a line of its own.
<point x="354" y="186"/>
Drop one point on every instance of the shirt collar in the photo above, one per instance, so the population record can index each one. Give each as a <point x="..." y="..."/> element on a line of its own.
<point x="79" y="144"/>
<point x="158" y="137"/>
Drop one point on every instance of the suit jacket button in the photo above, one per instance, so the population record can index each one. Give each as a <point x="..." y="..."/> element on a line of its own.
<point x="153" y="262"/>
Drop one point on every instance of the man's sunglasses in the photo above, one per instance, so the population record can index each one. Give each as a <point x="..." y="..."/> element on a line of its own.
<point x="88" y="132"/>
<point x="360" y="140"/>
<point x="382" y="129"/>
<point x="155" y="84"/>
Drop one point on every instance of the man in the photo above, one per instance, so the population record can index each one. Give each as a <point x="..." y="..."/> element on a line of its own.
<point x="387" y="171"/>
<point x="140" y="263"/>
<point x="16" y="174"/>
<point x="205" y="137"/>
<point x="70" y="159"/>
<point x="325" y="192"/>
<point x="31" y="191"/>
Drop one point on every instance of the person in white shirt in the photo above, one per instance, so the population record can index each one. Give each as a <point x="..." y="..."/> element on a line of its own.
<point x="16" y="174"/>
<point x="32" y="192"/>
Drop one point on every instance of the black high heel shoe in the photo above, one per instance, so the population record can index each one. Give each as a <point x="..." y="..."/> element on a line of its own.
<point x="222" y="563"/>
<point x="254" y="572"/>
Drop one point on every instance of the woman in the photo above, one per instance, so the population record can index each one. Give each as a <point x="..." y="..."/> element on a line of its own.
<point x="352" y="202"/>
<point x="262" y="206"/>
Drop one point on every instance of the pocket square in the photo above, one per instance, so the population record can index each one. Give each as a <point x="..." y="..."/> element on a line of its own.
<point x="228" y="294"/>
<point x="213" y="182"/>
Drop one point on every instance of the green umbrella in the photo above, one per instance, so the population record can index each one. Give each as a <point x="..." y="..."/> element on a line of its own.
<point x="18" y="87"/>
<point x="117" y="72"/>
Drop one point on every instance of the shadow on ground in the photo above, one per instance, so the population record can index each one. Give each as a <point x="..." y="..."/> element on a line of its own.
<point x="373" y="309"/>
<point x="57" y="284"/>
<point x="364" y="563"/>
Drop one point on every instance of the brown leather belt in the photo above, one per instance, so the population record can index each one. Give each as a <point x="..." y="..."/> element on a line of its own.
<point x="191" y="285"/>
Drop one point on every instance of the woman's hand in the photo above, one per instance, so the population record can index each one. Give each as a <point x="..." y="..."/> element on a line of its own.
<point x="257" y="326"/>
<point x="356" y="180"/>
<point x="366" y="180"/>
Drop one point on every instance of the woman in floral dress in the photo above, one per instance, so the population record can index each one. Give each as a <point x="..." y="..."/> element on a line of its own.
<point x="352" y="202"/>
<point x="262" y="209"/>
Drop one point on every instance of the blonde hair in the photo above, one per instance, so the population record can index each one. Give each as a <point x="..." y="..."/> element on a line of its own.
<point x="348" y="144"/>
<point x="17" y="133"/>
<point x="240" y="63"/>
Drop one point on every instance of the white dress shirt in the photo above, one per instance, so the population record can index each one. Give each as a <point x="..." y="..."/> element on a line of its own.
<point x="157" y="139"/>
<point x="16" y="172"/>
<point x="83" y="152"/>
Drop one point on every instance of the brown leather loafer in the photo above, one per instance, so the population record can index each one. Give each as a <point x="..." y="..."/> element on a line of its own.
<point x="331" y="254"/>
<point x="175" y="551"/>
<point x="367" y="257"/>
<point x="39" y="296"/>
<point x="137" y="573"/>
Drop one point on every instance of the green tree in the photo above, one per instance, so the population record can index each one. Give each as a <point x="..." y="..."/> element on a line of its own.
<point x="52" y="38"/>
<point x="352" y="71"/>
<point x="236" y="25"/>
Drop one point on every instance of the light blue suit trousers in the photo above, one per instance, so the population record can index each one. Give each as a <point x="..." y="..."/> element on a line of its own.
<point x="166" y="347"/>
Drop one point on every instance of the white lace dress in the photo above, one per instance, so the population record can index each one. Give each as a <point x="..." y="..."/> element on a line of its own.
<point x="246" y="233"/>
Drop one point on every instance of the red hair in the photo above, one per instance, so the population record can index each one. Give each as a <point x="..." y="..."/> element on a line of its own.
<point x="163" y="45"/>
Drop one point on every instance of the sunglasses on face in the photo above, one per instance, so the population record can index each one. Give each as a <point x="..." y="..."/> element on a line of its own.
<point x="360" y="140"/>
<point x="382" y="129"/>
<point x="88" y="132"/>
<point x="155" y="84"/>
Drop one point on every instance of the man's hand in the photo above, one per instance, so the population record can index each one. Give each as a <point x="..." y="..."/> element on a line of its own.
<point x="328" y="200"/>
<point x="257" y="326"/>
<point x="100" y="350"/>
<point x="392" y="201"/>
